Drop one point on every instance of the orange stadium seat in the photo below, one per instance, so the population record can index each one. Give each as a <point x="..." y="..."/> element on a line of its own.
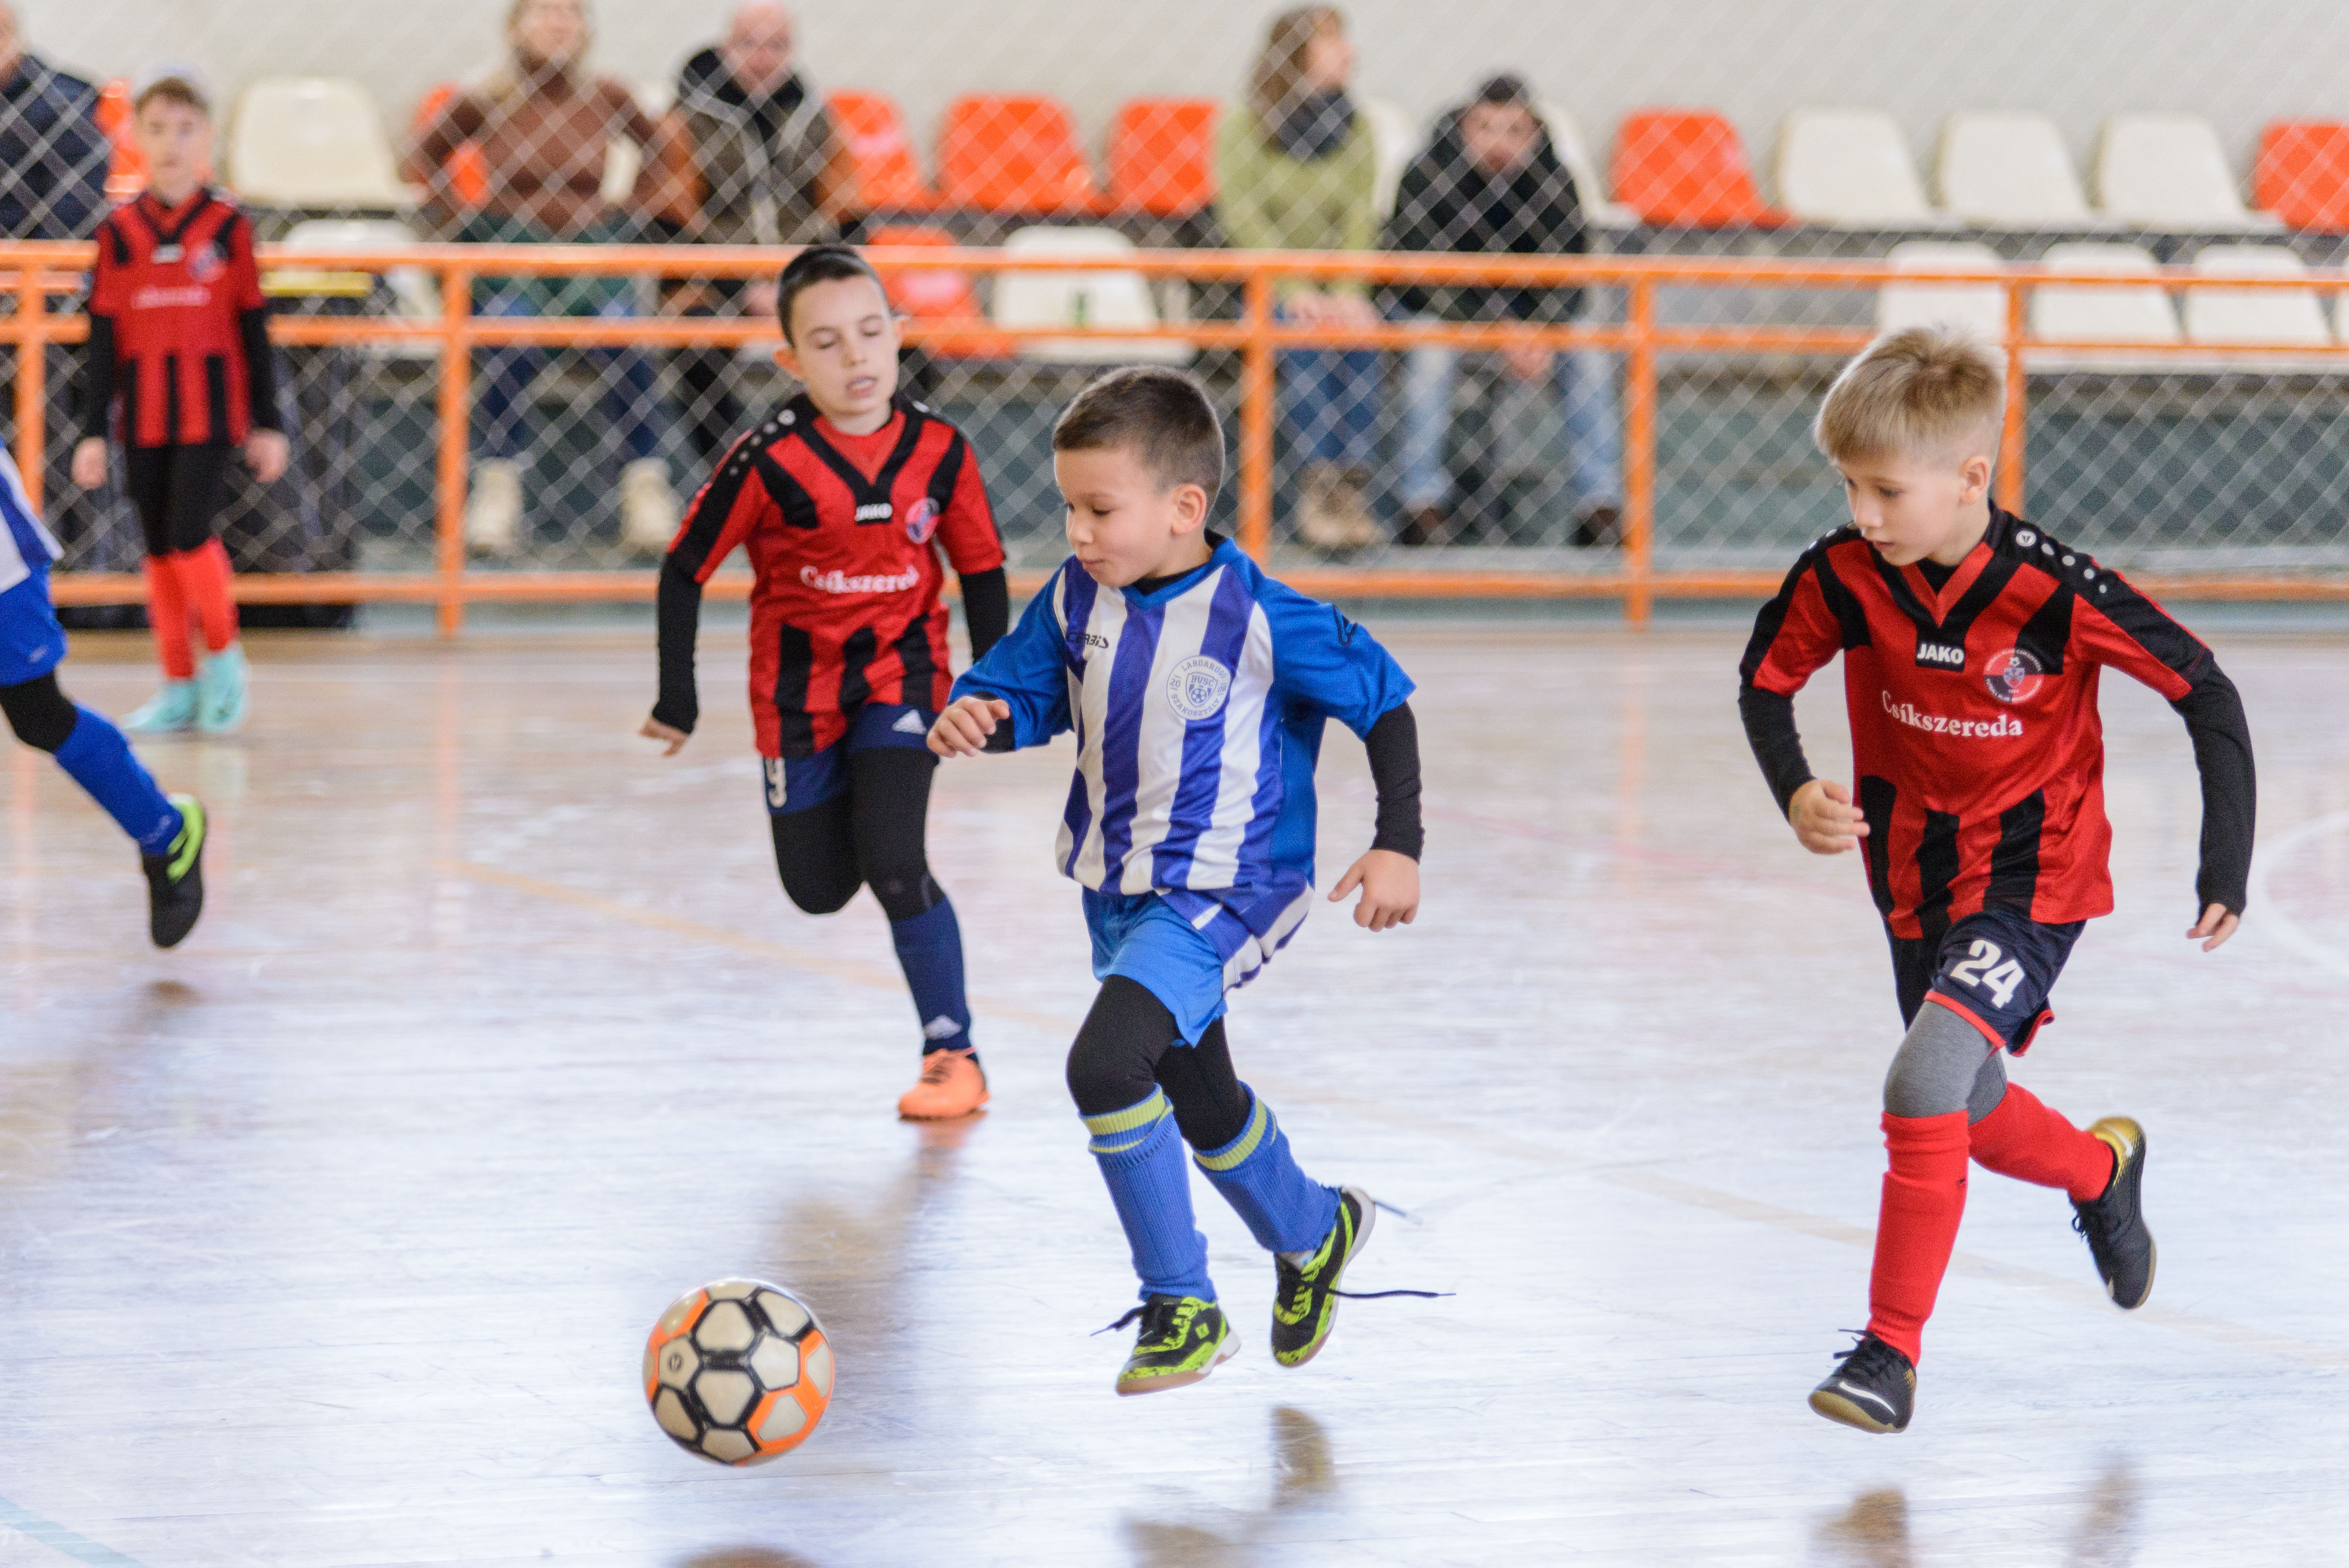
<point x="2303" y="175"/>
<point x="126" y="171"/>
<point x="935" y="296"/>
<point x="1013" y="154"/>
<point x="1161" y="156"/>
<point x="883" y="176"/>
<point x="468" y="169"/>
<point x="1687" y="167"/>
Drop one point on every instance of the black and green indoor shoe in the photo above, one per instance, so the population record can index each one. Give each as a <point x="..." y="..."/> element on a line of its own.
<point x="1182" y="1339"/>
<point x="175" y="878"/>
<point x="1305" y="1292"/>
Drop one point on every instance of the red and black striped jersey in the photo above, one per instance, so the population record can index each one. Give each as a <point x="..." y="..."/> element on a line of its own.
<point x="177" y="312"/>
<point x="845" y="535"/>
<point x="1976" y="743"/>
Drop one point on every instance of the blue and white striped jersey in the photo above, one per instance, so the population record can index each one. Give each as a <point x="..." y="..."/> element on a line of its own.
<point x="1198" y="710"/>
<point x="26" y="547"/>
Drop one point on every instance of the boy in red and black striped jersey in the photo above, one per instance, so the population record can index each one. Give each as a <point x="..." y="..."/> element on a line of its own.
<point x="1972" y="643"/>
<point x="178" y="332"/>
<point x="846" y="500"/>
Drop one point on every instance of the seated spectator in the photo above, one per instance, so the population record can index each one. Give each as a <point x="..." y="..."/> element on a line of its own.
<point x="1297" y="171"/>
<point x="752" y="159"/>
<point x="53" y="157"/>
<point x="545" y="128"/>
<point x="1490" y="182"/>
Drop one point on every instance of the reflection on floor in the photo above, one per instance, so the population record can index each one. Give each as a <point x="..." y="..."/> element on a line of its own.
<point x="331" y="1238"/>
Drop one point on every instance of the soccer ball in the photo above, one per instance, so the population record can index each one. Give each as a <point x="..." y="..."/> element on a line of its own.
<point x="739" y="1371"/>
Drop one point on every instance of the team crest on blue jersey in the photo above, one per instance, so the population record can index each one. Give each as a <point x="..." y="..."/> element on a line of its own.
<point x="1197" y="687"/>
<point x="2014" y="676"/>
<point x="922" y="521"/>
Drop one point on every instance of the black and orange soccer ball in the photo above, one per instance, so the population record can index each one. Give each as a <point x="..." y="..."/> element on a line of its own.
<point x="738" y="1372"/>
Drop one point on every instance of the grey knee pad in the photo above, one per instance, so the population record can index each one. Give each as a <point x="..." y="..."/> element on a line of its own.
<point x="1940" y="1062"/>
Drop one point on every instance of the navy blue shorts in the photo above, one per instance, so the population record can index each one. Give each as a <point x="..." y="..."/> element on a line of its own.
<point x="1993" y="969"/>
<point x="32" y="643"/>
<point x="796" y="783"/>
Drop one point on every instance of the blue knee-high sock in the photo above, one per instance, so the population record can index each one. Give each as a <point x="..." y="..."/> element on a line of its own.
<point x="929" y="950"/>
<point x="101" y="762"/>
<point x="1258" y="1177"/>
<point x="1140" y="1156"/>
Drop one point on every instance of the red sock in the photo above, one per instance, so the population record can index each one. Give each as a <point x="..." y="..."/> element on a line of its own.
<point x="206" y="573"/>
<point x="1916" y="1224"/>
<point x="2024" y="1139"/>
<point x="167" y="614"/>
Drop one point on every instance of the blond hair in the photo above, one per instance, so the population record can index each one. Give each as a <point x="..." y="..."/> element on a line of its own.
<point x="1276" y="80"/>
<point x="1926" y="388"/>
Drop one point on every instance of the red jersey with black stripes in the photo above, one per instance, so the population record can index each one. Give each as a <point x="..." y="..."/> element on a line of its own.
<point x="1975" y="736"/>
<point x="845" y="535"/>
<point x="176" y="283"/>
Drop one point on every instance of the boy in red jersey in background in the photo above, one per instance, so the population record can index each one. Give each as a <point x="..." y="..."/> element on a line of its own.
<point x="845" y="500"/>
<point x="179" y="330"/>
<point x="1971" y="641"/>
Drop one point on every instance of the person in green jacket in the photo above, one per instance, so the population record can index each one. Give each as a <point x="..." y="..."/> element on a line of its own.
<point x="1297" y="171"/>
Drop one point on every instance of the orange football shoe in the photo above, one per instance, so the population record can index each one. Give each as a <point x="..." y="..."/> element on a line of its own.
<point x="952" y="1085"/>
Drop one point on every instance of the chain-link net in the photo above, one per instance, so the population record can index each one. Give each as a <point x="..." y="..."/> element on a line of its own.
<point x="2102" y="139"/>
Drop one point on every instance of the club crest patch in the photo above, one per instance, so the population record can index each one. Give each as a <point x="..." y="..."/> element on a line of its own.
<point x="204" y="263"/>
<point x="922" y="521"/>
<point x="1197" y="687"/>
<point x="2014" y="676"/>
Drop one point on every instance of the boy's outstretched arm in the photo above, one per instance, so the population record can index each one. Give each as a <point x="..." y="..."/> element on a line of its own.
<point x="677" y="615"/>
<point x="718" y="519"/>
<point x="1389" y="873"/>
<point x="1015" y="693"/>
<point x="2213" y="712"/>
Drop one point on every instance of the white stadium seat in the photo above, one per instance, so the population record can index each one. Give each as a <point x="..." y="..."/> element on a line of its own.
<point x="2009" y="170"/>
<point x="313" y="142"/>
<point x="2167" y="171"/>
<point x="1031" y="299"/>
<point x="1979" y="308"/>
<point x="1851" y="168"/>
<point x="2104" y="315"/>
<point x="1398" y="141"/>
<point x="2285" y="318"/>
<point x="1590" y="181"/>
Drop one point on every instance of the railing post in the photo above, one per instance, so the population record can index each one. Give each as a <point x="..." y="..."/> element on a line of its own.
<point x="2011" y="435"/>
<point x="1640" y="456"/>
<point x="454" y="444"/>
<point x="1257" y="395"/>
<point x="32" y="381"/>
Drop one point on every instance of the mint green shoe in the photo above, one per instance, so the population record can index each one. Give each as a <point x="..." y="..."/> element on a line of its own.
<point x="168" y="711"/>
<point x="1183" y="1339"/>
<point x="221" y="695"/>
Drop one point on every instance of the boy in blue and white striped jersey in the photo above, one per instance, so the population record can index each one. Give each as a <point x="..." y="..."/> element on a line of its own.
<point x="1198" y="688"/>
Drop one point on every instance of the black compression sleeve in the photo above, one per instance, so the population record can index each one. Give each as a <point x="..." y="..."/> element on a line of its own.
<point x="97" y="379"/>
<point x="678" y="614"/>
<point x="2213" y="712"/>
<point x="259" y="368"/>
<point x="1777" y="745"/>
<point x="986" y="610"/>
<point x="1393" y="746"/>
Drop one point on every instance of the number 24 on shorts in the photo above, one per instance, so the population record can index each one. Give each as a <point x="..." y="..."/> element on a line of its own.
<point x="1983" y="971"/>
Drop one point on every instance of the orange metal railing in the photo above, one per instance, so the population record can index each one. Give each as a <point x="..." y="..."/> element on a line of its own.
<point x="37" y="273"/>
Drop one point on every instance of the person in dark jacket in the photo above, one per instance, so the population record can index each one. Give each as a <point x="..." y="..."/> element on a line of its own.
<point x="53" y="157"/>
<point x="1490" y="182"/>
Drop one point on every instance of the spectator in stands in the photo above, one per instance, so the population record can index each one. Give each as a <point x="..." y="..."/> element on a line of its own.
<point x="53" y="157"/>
<point x="1297" y="171"/>
<point x="753" y="158"/>
<point x="547" y="128"/>
<point x="1490" y="181"/>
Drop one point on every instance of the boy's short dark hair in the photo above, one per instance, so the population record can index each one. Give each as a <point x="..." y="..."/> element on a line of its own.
<point x="172" y="88"/>
<point x="818" y="265"/>
<point x="1163" y="415"/>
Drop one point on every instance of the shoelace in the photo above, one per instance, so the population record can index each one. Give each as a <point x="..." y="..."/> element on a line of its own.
<point x="935" y="1070"/>
<point x="1152" y="1329"/>
<point x="1868" y="1355"/>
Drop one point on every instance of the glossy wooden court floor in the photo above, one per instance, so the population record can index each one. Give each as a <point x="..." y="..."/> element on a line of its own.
<point x="332" y="1238"/>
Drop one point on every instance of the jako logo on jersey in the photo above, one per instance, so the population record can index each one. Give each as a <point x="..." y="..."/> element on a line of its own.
<point x="2013" y="675"/>
<point x="922" y="521"/>
<point x="1998" y="728"/>
<point x="841" y="582"/>
<point x="1195" y="688"/>
<point x="1942" y="656"/>
<point x="875" y="511"/>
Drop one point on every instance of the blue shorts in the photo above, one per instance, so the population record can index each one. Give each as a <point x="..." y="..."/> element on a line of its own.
<point x="796" y="783"/>
<point x="32" y="643"/>
<point x="1140" y="937"/>
<point x="1993" y="969"/>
